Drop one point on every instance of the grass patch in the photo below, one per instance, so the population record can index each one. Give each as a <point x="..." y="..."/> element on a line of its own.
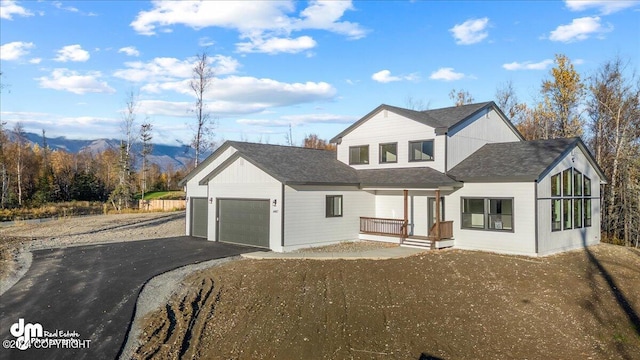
<point x="65" y="209"/>
<point x="165" y="195"/>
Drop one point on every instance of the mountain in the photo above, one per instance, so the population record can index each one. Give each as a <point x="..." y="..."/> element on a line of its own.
<point x="162" y="155"/>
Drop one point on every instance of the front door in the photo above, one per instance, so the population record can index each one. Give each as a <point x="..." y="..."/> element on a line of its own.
<point x="432" y="211"/>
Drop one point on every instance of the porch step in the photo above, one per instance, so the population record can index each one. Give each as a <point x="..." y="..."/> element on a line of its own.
<point x="417" y="243"/>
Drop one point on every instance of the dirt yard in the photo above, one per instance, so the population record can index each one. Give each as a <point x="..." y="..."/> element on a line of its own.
<point x="441" y="305"/>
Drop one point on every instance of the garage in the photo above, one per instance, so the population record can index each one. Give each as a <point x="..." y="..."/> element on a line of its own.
<point x="243" y="221"/>
<point x="199" y="217"/>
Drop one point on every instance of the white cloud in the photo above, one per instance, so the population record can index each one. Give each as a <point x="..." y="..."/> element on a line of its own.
<point x="130" y="50"/>
<point x="446" y="74"/>
<point x="74" y="82"/>
<point x="471" y="31"/>
<point x="579" y="29"/>
<point x="35" y="61"/>
<point x="8" y="8"/>
<point x="604" y="6"/>
<point x="170" y="69"/>
<point x="277" y="45"/>
<point x="263" y="22"/>
<point x="384" y="76"/>
<point x="15" y="50"/>
<point x="59" y="5"/>
<point x="528" y="65"/>
<point x="297" y="120"/>
<point x="81" y="127"/>
<point x="72" y="53"/>
<point x="205" y="41"/>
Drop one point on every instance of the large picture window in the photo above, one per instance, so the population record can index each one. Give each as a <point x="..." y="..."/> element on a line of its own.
<point x="388" y="153"/>
<point x="572" y="208"/>
<point x="487" y="213"/>
<point x="421" y="150"/>
<point x="334" y="206"/>
<point x="359" y="155"/>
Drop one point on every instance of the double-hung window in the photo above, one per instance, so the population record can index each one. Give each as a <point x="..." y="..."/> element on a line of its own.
<point x="359" y="155"/>
<point x="421" y="150"/>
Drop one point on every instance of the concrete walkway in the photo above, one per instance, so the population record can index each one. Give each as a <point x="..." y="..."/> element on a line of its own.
<point x="374" y="254"/>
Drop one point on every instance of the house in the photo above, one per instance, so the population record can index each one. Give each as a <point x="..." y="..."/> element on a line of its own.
<point x="459" y="177"/>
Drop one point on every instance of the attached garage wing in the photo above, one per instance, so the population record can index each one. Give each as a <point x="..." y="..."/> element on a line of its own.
<point x="244" y="221"/>
<point x="199" y="218"/>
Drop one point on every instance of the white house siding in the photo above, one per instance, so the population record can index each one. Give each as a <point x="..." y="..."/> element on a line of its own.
<point x="485" y="127"/>
<point x="550" y="242"/>
<point x="306" y="223"/>
<point x="520" y="241"/>
<point x="243" y="180"/>
<point x="389" y="127"/>
<point x="193" y="189"/>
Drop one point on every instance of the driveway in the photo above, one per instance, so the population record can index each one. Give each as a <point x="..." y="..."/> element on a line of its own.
<point x="90" y="292"/>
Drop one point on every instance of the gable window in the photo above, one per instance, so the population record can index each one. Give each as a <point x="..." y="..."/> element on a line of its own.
<point x="572" y="208"/>
<point x="359" y="155"/>
<point x="388" y="153"/>
<point x="421" y="150"/>
<point x="334" y="206"/>
<point x="487" y="214"/>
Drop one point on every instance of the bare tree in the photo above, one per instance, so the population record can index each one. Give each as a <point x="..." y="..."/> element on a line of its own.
<point x="412" y="103"/>
<point x="4" y="178"/>
<point x="122" y="195"/>
<point x="614" y="122"/>
<point x="202" y="77"/>
<point x="147" y="147"/>
<point x="18" y="130"/>
<point x="461" y="97"/>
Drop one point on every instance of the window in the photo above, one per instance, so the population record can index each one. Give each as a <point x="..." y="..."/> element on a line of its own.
<point x="556" y="212"/>
<point x="473" y="213"/>
<point x="421" y="150"/>
<point x="587" y="212"/>
<point x="566" y="214"/>
<point x="572" y="209"/>
<point x="501" y="214"/>
<point x="388" y="153"/>
<point x="359" y="155"/>
<point x="556" y="185"/>
<point x="566" y="183"/>
<point x="334" y="205"/>
<point x="488" y="214"/>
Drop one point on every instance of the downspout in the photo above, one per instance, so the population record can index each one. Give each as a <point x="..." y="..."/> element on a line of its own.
<point x="282" y="220"/>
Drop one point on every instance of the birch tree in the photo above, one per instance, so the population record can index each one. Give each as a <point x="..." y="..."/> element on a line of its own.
<point x="122" y="196"/>
<point x="147" y="148"/>
<point x="202" y="77"/>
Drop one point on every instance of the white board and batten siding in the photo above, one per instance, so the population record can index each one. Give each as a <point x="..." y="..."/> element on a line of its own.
<point x="550" y="242"/>
<point x="520" y="241"/>
<point x="483" y="128"/>
<point x="306" y="223"/>
<point x="194" y="190"/>
<point x="388" y="127"/>
<point x="243" y="180"/>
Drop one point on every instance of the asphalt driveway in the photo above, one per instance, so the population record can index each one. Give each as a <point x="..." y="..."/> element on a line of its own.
<point x="90" y="292"/>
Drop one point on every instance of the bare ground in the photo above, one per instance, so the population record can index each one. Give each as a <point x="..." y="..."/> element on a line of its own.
<point x="444" y="304"/>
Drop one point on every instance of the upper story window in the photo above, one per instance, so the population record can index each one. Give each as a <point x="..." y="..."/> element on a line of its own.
<point x="421" y="150"/>
<point x="388" y="153"/>
<point x="359" y="155"/>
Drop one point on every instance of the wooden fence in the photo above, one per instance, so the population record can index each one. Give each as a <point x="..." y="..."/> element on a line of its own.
<point x="162" y="205"/>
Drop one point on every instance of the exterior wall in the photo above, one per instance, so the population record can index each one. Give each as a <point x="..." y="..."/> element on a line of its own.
<point x="520" y="241"/>
<point x="306" y="223"/>
<point x="243" y="180"/>
<point x="550" y="242"/>
<point x="193" y="189"/>
<point x="485" y="127"/>
<point x="388" y="127"/>
<point x="390" y="205"/>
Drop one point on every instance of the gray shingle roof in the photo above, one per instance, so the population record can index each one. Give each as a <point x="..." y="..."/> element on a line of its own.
<point x="295" y="165"/>
<point x="441" y="119"/>
<point x="421" y="177"/>
<point x="512" y="161"/>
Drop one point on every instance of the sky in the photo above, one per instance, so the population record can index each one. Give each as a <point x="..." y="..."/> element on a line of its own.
<point x="313" y="67"/>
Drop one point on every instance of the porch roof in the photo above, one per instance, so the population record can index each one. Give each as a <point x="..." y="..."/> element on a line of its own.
<point x="416" y="178"/>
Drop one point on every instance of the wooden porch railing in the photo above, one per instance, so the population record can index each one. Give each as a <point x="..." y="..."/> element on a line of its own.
<point x="378" y="226"/>
<point x="446" y="230"/>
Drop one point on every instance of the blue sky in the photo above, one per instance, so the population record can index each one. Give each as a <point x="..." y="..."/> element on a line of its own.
<point x="317" y="66"/>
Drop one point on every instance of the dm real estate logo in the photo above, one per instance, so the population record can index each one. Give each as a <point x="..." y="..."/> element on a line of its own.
<point x="34" y="336"/>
